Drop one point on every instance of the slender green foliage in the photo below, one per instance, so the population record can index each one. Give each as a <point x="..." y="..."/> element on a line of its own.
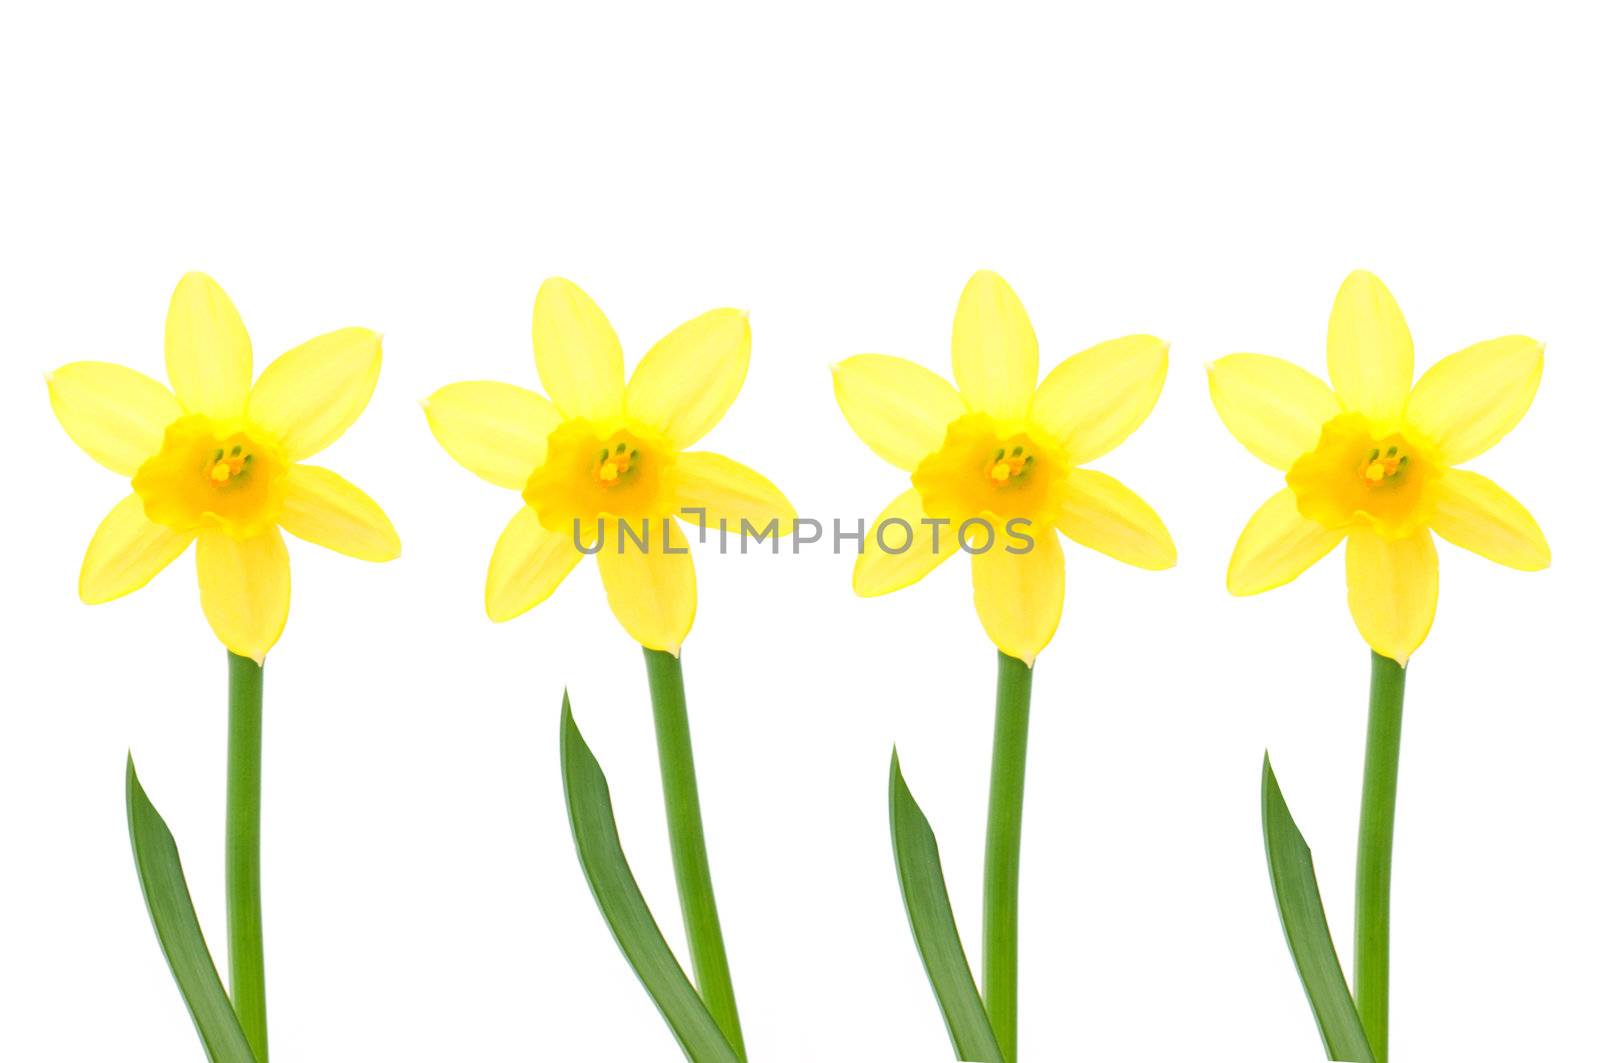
<point x="616" y="892"/>
<point x="166" y="895"/>
<point x="1305" y="927"/>
<point x="933" y="926"/>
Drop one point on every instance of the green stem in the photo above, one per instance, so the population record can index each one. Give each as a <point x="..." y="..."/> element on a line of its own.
<point x="1375" y="851"/>
<point x="688" y="836"/>
<point x="1002" y="855"/>
<point x="247" y="977"/>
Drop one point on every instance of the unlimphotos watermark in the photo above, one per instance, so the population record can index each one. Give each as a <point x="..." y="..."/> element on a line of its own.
<point x="893" y="535"/>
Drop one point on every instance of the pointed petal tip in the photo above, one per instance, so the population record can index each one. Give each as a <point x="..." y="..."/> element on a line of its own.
<point x="196" y="276"/>
<point x="555" y="283"/>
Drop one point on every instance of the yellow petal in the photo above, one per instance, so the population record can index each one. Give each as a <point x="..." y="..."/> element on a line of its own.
<point x="907" y="550"/>
<point x="1275" y="408"/>
<point x="729" y="491"/>
<point x="323" y="507"/>
<point x="1094" y="400"/>
<point x="529" y="563"/>
<point x="1370" y="357"/>
<point x="1467" y="402"/>
<point x="308" y="396"/>
<point x="651" y="591"/>
<point x="497" y="431"/>
<point x="1476" y="514"/>
<point x="1019" y="596"/>
<point x="995" y="352"/>
<point x="127" y="550"/>
<point x="897" y="407"/>
<point x="687" y="381"/>
<point x="1276" y="546"/>
<point x="208" y="350"/>
<point x="1393" y="587"/>
<point x="117" y="415"/>
<point x="578" y="354"/>
<point x="244" y="589"/>
<point x="1100" y="512"/>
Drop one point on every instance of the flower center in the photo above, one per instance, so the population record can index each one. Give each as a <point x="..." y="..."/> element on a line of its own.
<point x="1356" y="476"/>
<point x="982" y="469"/>
<point x="617" y="464"/>
<point x="1009" y="465"/>
<point x="1382" y="466"/>
<point x="230" y="466"/>
<point x="211" y="475"/>
<point x="590" y="472"/>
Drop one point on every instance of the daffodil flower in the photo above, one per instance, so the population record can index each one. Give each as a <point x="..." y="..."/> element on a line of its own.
<point x="1371" y="462"/>
<point x="219" y="462"/>
<point x="603" y="467"/>
<point x="600" y="453"/>
<point x="997" y="469"/>
<point x="1005" y="448"/>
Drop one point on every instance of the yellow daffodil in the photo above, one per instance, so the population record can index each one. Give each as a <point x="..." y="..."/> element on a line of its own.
<point x="1370" y="462"/>
<point x="1005" y="448"/>
<point x="217" y="461"/>
<point x="599" y="454"/>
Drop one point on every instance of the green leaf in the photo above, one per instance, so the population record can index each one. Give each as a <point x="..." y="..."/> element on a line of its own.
<point x="177" y="927"/>
<point x="933" y="925"/>
<point x="594" y="831"/>
<point x="1294" y="884"/>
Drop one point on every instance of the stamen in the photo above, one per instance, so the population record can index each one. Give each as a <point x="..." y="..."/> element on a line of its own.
<point x="1009" y="465"/>
<point x="616" y="462"/>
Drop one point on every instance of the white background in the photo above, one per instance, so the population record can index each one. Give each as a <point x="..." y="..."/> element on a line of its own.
<point x="1206" y="172"/>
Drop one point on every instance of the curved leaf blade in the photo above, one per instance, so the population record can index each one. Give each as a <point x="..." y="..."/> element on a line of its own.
<point x="616" y="892"/>
<point x="166" y="895"/>
<point x="933" y="925"/>
<point x="1305" y="926"/>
